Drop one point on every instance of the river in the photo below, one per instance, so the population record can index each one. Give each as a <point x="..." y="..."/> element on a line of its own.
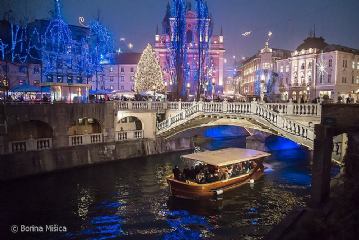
<point x="130" y="200"/>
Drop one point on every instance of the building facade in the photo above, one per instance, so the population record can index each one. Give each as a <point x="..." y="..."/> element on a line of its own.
<point x="118" y="76"/>
<point x="317" y="69"/>
<point x="258" y="73"/>
<point x="213" y="73"/>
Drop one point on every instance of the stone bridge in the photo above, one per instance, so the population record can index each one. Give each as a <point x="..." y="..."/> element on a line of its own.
<point x="36" y="127"/>
<point x="293" y="121"/>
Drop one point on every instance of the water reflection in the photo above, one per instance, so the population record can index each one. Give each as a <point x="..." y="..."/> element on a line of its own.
<point x="187" y="226"/>
<point x="130" y="200"/>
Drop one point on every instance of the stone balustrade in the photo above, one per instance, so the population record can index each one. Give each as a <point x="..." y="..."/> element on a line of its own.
<point x="274" y="114"/>
<point x="76" y="140"/>
<point x="129" y="135"/>
<point x="30" y="145"/>
<point x="295" y="109"/>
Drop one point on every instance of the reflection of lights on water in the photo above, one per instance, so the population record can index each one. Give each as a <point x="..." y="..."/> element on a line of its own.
<point x="187" y="226"/>
<point x="83" y="203"/>
<point x="268" y="168"/>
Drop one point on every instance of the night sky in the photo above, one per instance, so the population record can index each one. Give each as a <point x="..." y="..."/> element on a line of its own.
<point x="289" y="20"/>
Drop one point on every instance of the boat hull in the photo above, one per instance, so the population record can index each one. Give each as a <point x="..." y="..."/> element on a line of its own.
<point x="192" y="190"/>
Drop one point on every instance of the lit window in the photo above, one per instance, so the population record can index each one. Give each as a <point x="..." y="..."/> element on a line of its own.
<point x="358" y="65"/>
<point x="111" y="69"/>
<point x="111" y="87"/>
<point x="132" y="78"/>
<point x="287" y="68"/>
<point x="281" y="69"/>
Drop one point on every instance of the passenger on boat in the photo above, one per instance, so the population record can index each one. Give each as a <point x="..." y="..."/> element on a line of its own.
<point x="186" y="173"/>
<point x="177" y="173"/>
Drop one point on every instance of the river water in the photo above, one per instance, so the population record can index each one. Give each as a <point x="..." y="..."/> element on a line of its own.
<point x="130" y="200"/>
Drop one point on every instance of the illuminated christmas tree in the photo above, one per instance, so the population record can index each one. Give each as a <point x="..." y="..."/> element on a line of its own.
<point x="149" y="74"/>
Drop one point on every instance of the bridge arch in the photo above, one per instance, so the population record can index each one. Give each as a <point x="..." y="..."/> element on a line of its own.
<point x="30" y="135"/>
<point x="32" y="128"/>
<point x="84" y="126"/>
<point x="129" y="123"/>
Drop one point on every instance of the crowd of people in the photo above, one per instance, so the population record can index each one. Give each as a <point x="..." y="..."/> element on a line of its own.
<point x="204" y="173"/>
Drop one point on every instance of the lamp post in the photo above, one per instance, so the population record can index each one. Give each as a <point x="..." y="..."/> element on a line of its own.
<point x="166" y="86"/>
<point x="213" y="87"/>
<point x="188" y="87"/>
<point x="308" y="92"/>
<point x="154" y="93"/>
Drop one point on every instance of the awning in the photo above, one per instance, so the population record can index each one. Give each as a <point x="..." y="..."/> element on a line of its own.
<point x="25" y="88"/>
<point x="226" y="156"/>
<point x="100" y="92"/>
<point x="30" y="88"/>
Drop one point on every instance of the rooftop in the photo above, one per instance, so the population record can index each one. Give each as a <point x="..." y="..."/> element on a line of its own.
<point x="130" y="58"/>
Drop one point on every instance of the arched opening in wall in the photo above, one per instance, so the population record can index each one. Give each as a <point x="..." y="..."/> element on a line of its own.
<point x="85" y="126"/>
<point x="85" y="131"/>
<point x="31" y="135"/>
<point x="129" y="128"/>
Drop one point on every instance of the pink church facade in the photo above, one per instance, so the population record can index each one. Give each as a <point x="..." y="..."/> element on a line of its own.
<point x="214" y="70"/>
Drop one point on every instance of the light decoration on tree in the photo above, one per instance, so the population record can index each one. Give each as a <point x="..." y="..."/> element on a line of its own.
<point x="178" y="45"/>
<point x="101" y="45"/>
<point x="57" y="47"/>
<point x="3" y="47"/>
<point x="148" y="75"/>
<point x="59" y="53"/>
<point x="204" y="35"/>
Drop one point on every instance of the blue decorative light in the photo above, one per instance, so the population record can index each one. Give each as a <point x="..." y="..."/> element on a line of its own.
<point x="59" y="53"/>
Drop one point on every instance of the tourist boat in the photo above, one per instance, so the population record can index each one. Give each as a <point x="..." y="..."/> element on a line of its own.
<point x="228" y="158"/>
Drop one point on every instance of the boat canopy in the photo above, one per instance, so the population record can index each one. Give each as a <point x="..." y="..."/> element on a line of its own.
<point x="226" y="156"/>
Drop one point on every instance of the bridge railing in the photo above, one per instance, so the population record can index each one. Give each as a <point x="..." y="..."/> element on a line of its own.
<point x="129" y="135"/>
<point x="285" y="124"/>
<point x="31" y="144"/>
<point x="302" y="109"/>
<point x="76" y="140"/>
<point x="263" y="111"/>
<point x="295" y="109"/>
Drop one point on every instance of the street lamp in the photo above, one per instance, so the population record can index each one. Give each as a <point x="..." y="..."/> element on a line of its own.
<point x="154" y="93"/>
<point x="188" y="87"/>
<point x="166" y="90"/>
<point x="213" y="87"/>
<point x="308" y="92"/>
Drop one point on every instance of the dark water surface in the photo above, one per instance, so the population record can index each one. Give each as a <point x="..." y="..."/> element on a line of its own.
<point x="130" y="200"/>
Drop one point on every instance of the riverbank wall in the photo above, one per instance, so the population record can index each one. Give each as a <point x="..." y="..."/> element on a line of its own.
<point x="18" y="165"/>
